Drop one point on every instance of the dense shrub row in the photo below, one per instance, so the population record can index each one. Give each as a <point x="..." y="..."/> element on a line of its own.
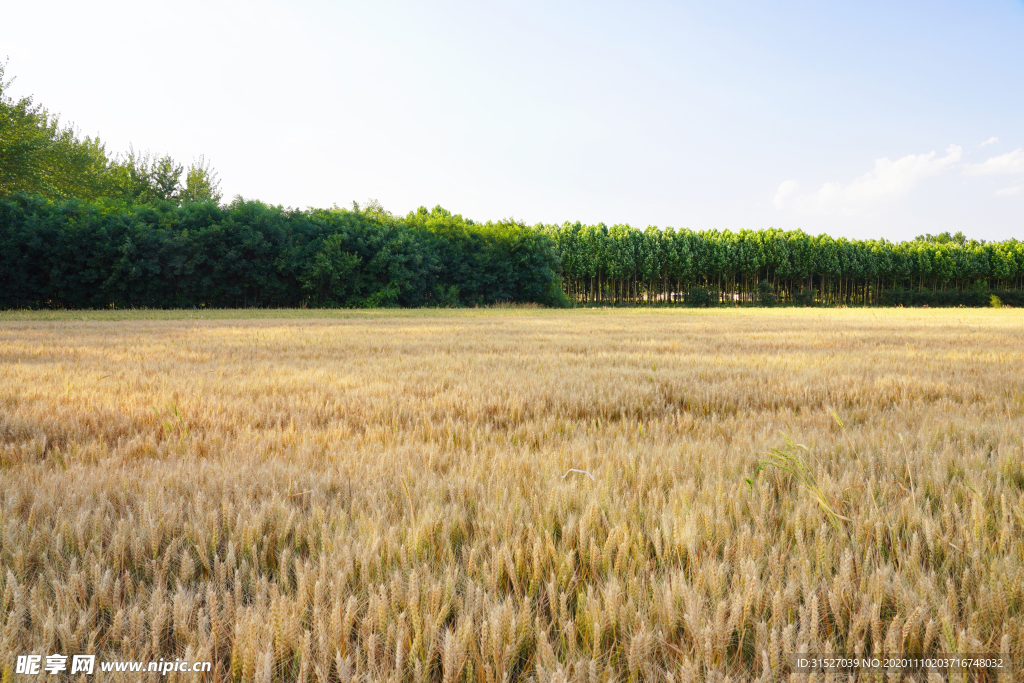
<point x="75" y="254"/>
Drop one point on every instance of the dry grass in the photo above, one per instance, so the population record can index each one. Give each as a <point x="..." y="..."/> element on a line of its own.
<point x="382" y="498"/>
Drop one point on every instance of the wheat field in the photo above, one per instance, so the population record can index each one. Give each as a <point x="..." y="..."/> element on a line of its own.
<point x="387" y="496"/>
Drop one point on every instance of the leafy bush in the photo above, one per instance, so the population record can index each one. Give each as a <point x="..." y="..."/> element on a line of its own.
<point x="701" y="298"/>
<point x="766" y="294"/>
<point x="805" y="297"/>
<point x="977" y="298"/>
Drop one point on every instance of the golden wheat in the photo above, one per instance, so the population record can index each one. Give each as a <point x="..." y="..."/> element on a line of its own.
<point x="381" y="497"/>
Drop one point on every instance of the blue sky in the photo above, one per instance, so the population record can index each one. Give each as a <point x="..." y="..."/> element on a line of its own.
<point x="865" y="119"/>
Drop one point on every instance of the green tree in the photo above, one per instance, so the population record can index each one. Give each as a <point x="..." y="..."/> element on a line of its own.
<point x="40" y="156"/>
<point x="330" y="276"/>
<point x="165" y="177"/>
<point x="201" y="183"/>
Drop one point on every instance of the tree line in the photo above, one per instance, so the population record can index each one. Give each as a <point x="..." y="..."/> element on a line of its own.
<point x="165" y="254"/>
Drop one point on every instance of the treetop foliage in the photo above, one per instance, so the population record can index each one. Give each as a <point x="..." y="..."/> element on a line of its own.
<point x="40" y="155"/>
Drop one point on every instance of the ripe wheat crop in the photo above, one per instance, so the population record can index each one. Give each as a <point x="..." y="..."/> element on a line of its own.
<point x="387" y="498"/>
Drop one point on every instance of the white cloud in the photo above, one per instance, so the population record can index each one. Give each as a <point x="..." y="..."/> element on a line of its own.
<point x="1008" y="191"/>
<point x="1011" y="162"/>
<point x="990" y="141"/>
<point x="887" y="180"/>
<point x="785" y="191"/>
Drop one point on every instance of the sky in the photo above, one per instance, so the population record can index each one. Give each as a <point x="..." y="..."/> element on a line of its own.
<point x="865" y="120"/>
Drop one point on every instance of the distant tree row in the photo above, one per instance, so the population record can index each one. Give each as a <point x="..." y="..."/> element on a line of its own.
<point x="622" y="264"/>
<point x="165" y="254"/>
<point x="40" y="156"/>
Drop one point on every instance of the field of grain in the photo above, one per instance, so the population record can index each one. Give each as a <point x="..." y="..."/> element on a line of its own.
<point x="384" y="497"/>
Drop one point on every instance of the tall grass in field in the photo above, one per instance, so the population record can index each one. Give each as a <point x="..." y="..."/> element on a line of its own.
<point x="382" y="498"/>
